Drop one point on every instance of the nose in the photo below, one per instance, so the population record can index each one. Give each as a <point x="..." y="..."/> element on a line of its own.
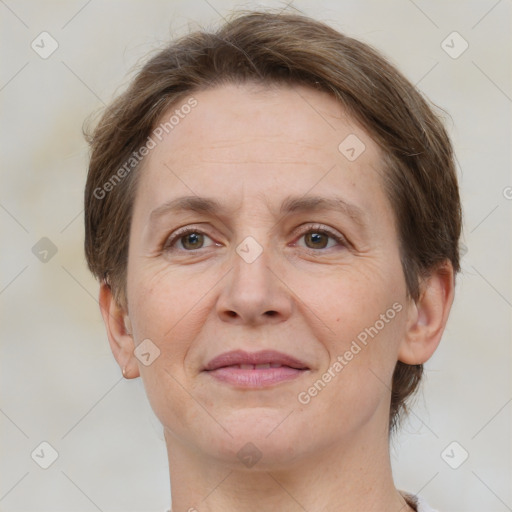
<point x="255" y="292"/>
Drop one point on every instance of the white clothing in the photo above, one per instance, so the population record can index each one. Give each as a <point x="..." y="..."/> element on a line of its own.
<point x="420" y="503"/>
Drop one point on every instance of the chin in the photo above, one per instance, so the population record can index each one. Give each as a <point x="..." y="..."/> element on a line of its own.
<point x="261" y="438"/>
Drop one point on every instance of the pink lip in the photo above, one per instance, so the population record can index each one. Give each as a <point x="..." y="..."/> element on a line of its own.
<point x="268" y="367"/>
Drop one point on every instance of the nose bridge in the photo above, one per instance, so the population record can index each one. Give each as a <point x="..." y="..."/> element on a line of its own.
<point x="252" y="292"/>
<point x="252" y="265"/>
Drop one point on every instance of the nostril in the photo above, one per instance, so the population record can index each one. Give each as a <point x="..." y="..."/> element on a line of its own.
<point x="271" y="313"/>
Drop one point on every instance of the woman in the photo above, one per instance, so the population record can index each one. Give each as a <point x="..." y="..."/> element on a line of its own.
<point x="273" y="213"/>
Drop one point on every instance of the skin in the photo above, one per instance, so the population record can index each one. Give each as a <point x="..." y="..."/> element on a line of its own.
<point x="298" y="297"/>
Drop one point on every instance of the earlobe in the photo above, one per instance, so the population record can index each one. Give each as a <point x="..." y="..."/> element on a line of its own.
<point x="428" y="316"/>
<point x="119" y="332"/>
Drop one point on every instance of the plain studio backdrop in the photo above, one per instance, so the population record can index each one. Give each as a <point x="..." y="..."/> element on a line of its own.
<point x="60" y="386"/>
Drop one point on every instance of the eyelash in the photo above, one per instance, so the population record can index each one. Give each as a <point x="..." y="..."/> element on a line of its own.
<point x="171" y="240"/>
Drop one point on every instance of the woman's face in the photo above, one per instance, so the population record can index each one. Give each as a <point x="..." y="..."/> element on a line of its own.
<point x="296" y="251"/>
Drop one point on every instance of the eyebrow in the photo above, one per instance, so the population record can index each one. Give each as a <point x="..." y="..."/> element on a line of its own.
<point x="291" y="204"/>
<point x="319" y="203"/>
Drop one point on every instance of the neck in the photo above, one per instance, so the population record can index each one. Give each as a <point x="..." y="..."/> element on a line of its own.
<point x="353" y="477"/>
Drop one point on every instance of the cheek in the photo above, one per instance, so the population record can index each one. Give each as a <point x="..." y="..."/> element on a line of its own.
<point x="163" y="300"/>
<point x="352" y="299"/>
<point x="356" y="382"/>
<point x="363" y="321"/>
<point x="166" y="307"/>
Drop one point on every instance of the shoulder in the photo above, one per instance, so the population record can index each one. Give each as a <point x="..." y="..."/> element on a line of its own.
<point x="418" y="503"/>
<point x="423" y="506"/>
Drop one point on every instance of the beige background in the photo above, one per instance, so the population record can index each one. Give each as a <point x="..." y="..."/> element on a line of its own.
<point x="59" y="382"/>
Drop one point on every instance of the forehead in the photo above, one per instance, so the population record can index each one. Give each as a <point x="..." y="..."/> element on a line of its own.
<point x="296" y="118"/>
<point x="248" y="140"/>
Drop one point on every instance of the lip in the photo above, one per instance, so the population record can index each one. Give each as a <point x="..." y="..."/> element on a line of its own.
<point x="238" y="357"/>
<point x="255" y="369"/>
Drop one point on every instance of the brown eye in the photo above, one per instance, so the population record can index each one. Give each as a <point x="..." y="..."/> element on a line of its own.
<point x="192" y="240"/>
<point x="316" y="240"/>
<point x="188" y="239"/>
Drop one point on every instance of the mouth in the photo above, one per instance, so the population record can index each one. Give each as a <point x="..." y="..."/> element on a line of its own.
<point x="255" y="369"/>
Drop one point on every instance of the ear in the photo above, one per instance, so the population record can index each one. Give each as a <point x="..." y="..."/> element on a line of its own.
<point x="119" y="331"/>
<point x="428" y="315"/>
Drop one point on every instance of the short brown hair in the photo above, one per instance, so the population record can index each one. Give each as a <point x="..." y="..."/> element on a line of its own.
<point x="419" y="171"/>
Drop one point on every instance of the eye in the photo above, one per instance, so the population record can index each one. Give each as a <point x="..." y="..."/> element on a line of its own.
<point x="190" y="239"/>
<point x="187" y="239"/>
<point x="317" y="237"/>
